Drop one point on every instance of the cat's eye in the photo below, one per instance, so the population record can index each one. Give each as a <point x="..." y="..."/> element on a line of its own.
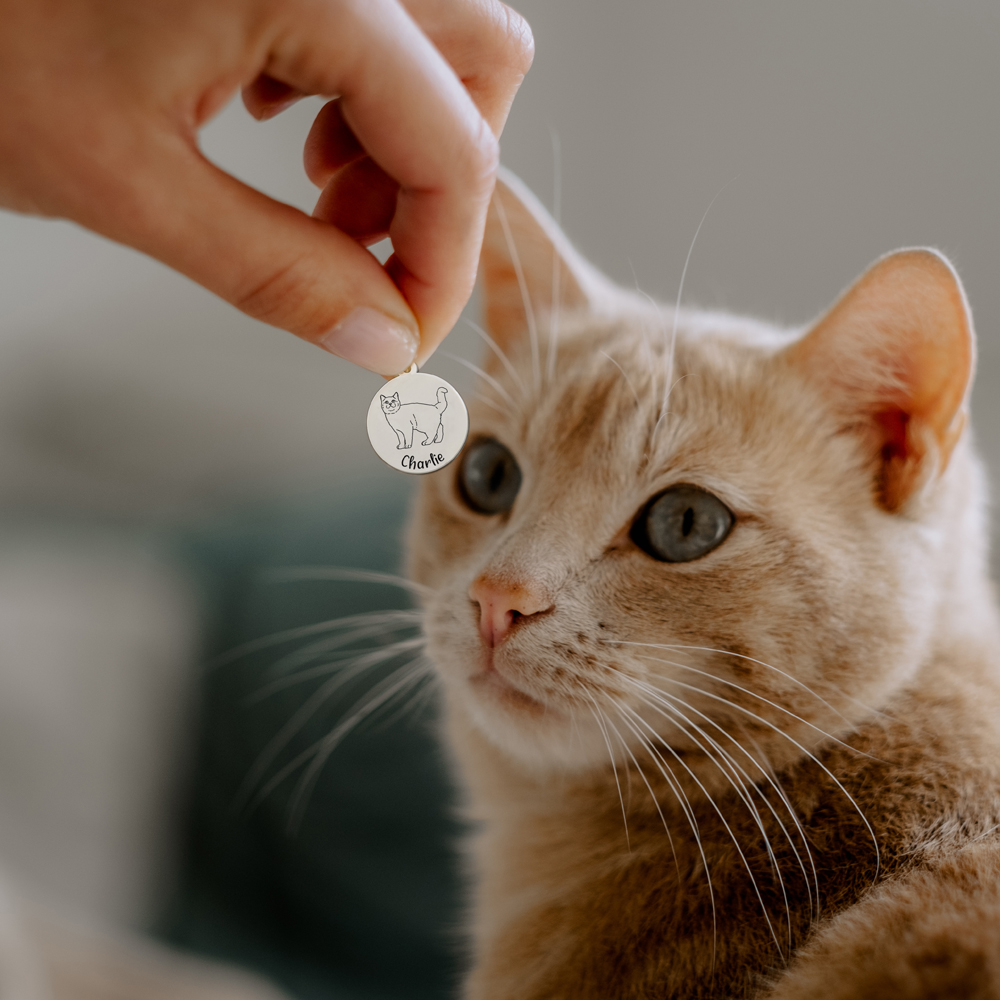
<point x="489" y="477"/>
<point x="681" y="524"/>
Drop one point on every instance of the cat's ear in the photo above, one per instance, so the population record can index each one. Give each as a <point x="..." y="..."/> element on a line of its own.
<point x="895" y="357"/>
<point x="383" y="398"/>
<point x="529" y="268"/>
<point x="395" y="396"/>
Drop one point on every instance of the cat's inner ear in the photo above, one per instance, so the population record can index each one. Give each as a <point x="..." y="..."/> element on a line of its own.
<point x="894" y="357"/>
<point x="528" y="268"/>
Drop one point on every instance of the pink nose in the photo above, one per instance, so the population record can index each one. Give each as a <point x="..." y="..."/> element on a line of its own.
<point x="502" y="606"/>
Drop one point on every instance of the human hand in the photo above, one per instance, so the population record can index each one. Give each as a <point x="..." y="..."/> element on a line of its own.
<point x="100" y="106"/>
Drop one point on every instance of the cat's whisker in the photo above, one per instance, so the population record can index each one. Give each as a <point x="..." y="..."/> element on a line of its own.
<point x="628" y="381"/>
<point x="488" y="379"/>
<point x="677" y="790"/>
<point x="299" y="718"/>
<point x="382" y="627"/>
<point x="725" y="823"/>
<point x="289" y="574"/>
<point x="678" y="794"/>
<point x="743" y="785"/>
<point x="675" y="787"/>
<point x="770" y="666"/>
<point x="501" y="356"/>
<point x="772" y="781"/>
<point x="383" y="691"/>
<point x="360" y="660"/>
<point x="738" y="687"/>
<point x="652" y="795"/>
<point x="599" y="719"/>
<point x="529" y="312"/>
<point x="422" y="696"/>
<point x="746" y="780"/>
<point x="301" y="632"/>
<point x="380" y="695"/>
<point x="780" y="732"/>
<point x="767" y="769"/>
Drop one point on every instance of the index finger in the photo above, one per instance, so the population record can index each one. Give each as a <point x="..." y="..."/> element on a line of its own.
<point x="414" y="117"/>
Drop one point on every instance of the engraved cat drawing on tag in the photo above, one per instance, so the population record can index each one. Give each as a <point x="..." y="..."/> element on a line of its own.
<point x="407" y="419"/>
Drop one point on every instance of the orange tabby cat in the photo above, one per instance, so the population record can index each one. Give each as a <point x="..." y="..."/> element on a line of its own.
<point x="710" y="605"/>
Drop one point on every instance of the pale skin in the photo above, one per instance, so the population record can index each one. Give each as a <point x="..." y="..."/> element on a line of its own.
<point x="102" y="102"/>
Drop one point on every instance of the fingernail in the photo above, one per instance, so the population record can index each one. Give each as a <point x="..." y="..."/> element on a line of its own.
<point x="370" y="339"/>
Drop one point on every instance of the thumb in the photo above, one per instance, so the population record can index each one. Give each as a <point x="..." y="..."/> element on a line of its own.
<point x="274" y="263"/>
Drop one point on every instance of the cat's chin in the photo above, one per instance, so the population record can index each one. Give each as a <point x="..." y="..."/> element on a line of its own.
<point x="495" y="690"/>
<point x="542" y="737"/>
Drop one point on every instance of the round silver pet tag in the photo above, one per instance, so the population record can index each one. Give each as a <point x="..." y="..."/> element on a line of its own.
<point x="417" y="422"/>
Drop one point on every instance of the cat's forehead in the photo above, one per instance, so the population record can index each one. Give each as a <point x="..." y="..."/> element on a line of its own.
<point x="631" y="403"/>
<point x="632" y="379"/>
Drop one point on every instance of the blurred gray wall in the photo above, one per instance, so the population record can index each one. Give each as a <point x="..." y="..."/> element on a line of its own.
<point x="835" y="132"/>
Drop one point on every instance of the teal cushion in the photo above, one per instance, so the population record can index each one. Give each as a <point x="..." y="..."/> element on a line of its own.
<point x="356" y="895"/>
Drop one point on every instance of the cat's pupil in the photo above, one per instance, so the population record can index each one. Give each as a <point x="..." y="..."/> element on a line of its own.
<point x="681" y="524"/>
<point x="497" y="478"/>
<point x="489" y="477"/>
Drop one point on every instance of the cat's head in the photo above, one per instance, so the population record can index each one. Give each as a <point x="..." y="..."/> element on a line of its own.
<point x="390" y="404"/>
<point x="699" y="523"/>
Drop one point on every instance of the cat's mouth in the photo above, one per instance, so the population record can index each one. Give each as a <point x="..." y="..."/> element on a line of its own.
<point x="490" y="683"/>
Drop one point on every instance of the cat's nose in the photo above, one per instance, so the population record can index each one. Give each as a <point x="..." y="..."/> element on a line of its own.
<point x="502" y="606"/>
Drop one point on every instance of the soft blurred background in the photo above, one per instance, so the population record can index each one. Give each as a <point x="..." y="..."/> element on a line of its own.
<point x="159" y="453"/>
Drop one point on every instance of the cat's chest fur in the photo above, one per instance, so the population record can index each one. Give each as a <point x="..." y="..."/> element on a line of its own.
<point x="579" y="909"/>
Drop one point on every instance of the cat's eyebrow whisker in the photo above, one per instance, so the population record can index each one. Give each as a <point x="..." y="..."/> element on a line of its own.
<point x="599" y="719"/>
<point x="711" y="801"/>
<point x="488" y="379"/>
<point x="491" y="403"/>
<point x="628" y="381"/>
<point x="780" y="732"/>
<point x="529" y="312"/>
<point x="684" y="271"/>
<point x="668" y="373"/>
<point x="303" y="631"/>
<point x="659" y="697"/>
<point x="501" y="355"/>
<point x="553" y="342"/>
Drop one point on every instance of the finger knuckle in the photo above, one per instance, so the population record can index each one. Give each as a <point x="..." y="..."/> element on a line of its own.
<point x="280" y="296"/>
<point x="479" y="165"/>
